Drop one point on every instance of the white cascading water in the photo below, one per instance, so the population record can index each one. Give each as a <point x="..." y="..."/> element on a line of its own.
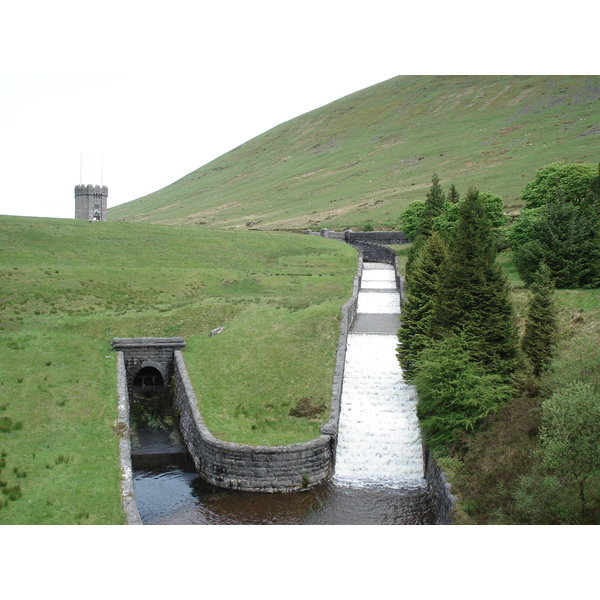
<point x="378" y="441"/>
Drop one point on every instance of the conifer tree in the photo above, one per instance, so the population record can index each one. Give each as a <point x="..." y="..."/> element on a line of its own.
<point x="412" y="258"/>
<point x="434" y="207"/>
<point x="593" y="194"/>
<point x="541" y="328"/>
<point x="415" y="332"/>
<point x="455" y="392"/>
<point x="453" y="195"/>
<point x="473" y="293"/>
<point x="565" y="236"/>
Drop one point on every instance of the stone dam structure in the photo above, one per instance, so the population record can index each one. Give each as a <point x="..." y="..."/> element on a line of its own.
<point x="157" y="365"/>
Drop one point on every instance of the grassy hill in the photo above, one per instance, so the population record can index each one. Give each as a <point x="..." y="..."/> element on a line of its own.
<point x="366" y="156"/>
<point x="67" y="288"/>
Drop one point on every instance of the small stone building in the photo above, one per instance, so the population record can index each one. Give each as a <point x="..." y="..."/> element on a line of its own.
<point x="90" y="202"/>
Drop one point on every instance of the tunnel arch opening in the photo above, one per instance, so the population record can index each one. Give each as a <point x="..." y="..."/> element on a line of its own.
<point x="149" y="378"/>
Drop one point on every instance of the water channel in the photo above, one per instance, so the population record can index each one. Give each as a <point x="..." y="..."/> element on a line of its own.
<point x="379" y="466"/>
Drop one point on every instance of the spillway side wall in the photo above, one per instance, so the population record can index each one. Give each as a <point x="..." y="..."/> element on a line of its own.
<point x="349" y="311"/>
<point x="242" y="467"/>
<point x="127" y="493"/>
<point x="439" y="488"/>
<point x="264" y="468"/>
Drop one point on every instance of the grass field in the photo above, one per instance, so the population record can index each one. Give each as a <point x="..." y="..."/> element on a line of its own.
<point x="363" y="158"/>
<point x="69" y="287"/>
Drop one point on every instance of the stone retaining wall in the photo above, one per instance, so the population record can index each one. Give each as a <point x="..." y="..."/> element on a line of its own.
<point x="242" y="467"/>
<point x="439" y="489"/>
<point x="385" y="238"/>
<point x="263" y="468"/>
<point x="349" y="311"/>
<point x="375" y="253"/>
<point x="127" y="494"/>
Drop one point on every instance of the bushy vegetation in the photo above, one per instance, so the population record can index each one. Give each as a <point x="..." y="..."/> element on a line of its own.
<point x="558" y="488"/>
<point x="410" y="218"/>
<point x="503" y="476"/>
<point x="573" y="180"/>
<point x="560" y="227"/>
<point x="504" y="415"/>
<point x="455" y="392"/>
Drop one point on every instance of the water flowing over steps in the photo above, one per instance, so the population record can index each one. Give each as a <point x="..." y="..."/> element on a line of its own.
<point x="378" y="477"/>
<point x="378" y="441"/>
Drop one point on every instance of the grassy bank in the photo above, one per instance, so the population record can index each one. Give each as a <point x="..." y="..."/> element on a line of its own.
<point x="69" y="287"/>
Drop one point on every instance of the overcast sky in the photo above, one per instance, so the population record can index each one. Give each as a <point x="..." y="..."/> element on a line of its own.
<point x="146" y="92"/>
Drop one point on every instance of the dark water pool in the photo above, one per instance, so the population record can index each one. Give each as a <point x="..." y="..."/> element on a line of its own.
<point x="175" y="496"/>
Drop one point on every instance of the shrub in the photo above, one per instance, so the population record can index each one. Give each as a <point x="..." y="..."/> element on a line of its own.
<point x="567" y="474"/>
<point x="565" y="237"/>
<point x="409" y="219"/>
<point x="541" y="499"/>
<point x="573" y="179"/>
<point x="493" y="207"/>
<point x="455" y="392"/>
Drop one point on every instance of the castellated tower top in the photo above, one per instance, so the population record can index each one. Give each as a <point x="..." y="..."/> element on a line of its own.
<point x="90" y="202"/>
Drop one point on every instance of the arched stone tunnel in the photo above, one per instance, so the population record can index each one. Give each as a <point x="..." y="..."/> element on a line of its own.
<point x="149" y="364"/>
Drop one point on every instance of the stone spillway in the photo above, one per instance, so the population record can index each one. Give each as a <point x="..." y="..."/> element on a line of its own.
<point x="378" y="442"/>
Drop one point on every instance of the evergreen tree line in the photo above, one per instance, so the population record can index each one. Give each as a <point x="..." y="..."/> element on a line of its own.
<point x="458" y="342"/>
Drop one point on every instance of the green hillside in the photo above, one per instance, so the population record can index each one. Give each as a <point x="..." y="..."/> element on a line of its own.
<point x="67" y="288"/>
<point x="366" y="156"/>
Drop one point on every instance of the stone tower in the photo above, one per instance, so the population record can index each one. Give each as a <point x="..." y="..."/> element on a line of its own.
<point x="90" y="202"/>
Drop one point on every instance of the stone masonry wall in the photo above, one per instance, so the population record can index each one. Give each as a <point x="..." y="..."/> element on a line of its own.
<point x="385" y="238"/>
<point x="148" y="352"/>
<point x="127" y="494"/>
<point x="348" y="313"/>
<point x="263" y="468"/>
<point x="375" y="253"/>
<point x="250" y="468"/>
<point x="439" y="488"/>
